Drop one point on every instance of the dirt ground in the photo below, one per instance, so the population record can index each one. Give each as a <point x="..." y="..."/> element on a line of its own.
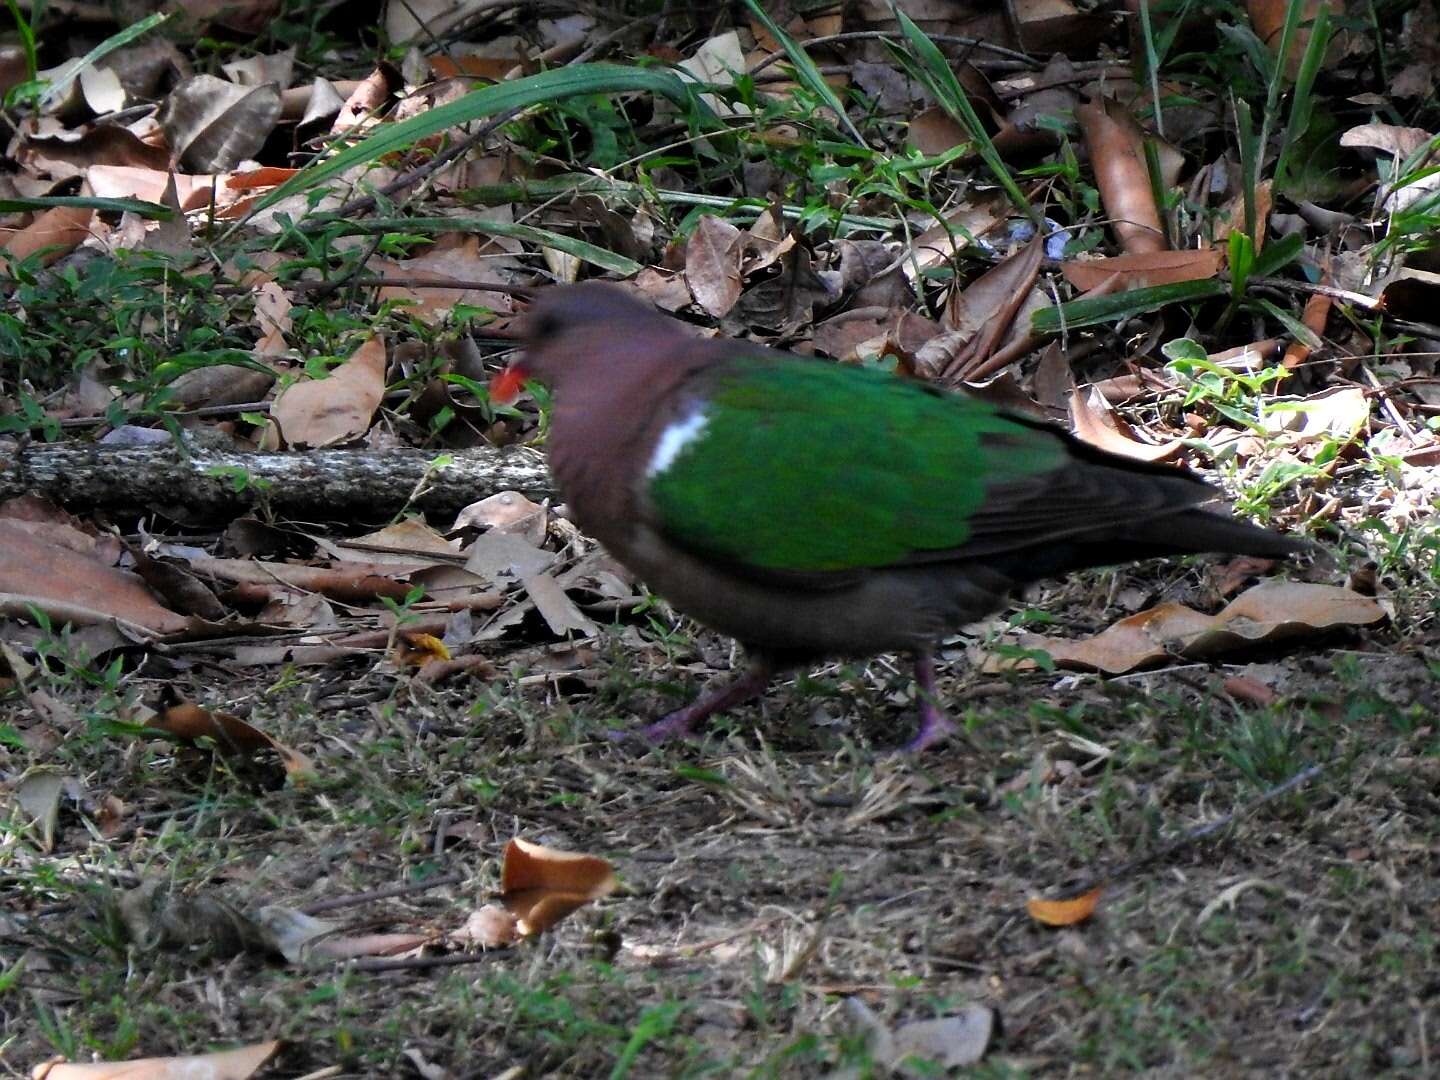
<point x="786" y="863"/>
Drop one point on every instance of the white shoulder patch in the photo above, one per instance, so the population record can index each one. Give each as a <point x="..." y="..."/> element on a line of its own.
<point x="676" y="437"/>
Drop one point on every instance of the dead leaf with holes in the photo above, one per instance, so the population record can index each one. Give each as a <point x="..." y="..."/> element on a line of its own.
<point x="336" y="409"/>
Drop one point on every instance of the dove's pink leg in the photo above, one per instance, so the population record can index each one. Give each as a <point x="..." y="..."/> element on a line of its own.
<point x="934" y="724"/>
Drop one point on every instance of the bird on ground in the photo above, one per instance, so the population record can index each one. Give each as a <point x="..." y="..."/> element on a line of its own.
<point x="814" y="510"/>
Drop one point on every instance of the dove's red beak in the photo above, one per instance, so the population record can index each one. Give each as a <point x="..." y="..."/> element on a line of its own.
<point x="506" y="386"/>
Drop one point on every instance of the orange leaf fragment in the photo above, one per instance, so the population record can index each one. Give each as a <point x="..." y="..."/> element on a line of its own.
<point x="543" y="885"/>
<point x="1063" y="912"/>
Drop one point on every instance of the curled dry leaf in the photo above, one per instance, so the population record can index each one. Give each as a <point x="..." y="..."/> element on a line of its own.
<point x="1063" y="912"/>
<point x="1272" y="611"/>
<point x="238" y="1064"/>
<point x="414" y="649"/>
<point x="508" y="511"/>
<point x="949" y="1041"/>
<point x="323" y="412"/>
<point x="543" y="885"/>
<point x="189" y="722"/>
<point x="1117" y="150"/>
<point x="1094" y="421"/>
<point x="712" y="264"/>
<point x="985" y="312"/>
<point x="490" y="927"/>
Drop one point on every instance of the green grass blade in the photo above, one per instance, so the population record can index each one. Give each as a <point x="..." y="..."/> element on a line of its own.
<point x="1277" y="255"/>
<point x="87" y="202"/>
<point x="806" y="70"/>
<point x="490" y="101"/>
<point x="1104" y="309"/>
<point x="1298" y="329"/>
<point x="1250" y="150"/>
<point x="531" y="234"/>
<point x="1277" y="75"/>
<point x="1301" y="102"/>
<point x="1152" y="65"/>
<point x="929" y="66"/>
<point x="1242" y="262"/>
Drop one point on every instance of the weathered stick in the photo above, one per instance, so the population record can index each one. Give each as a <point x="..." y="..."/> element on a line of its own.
<point x="204" y="483"/>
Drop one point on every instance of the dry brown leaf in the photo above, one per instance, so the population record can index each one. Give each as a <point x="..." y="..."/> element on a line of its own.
<point x="933" y="132"/>
<point x="1063" y="912"/>
<point x="986" y="310"/>
<point x="245" y="17"/>
<point x="1250" y="690"/>
<point x="543" y="885"/>
<point x="1145" y="269"/>
<point x="351" y="583"/>
<point x="1268" y="19"/>
<point x="1272" y="611"/>
<point x="508" y="511"/>
<point x="461" y="259"/>
<point x="712" y="264"/>
<point x="940" y="243"/>
<point x="194" y="192"/>
<point x="1117" y="152"/>
<point x="490" y="927"/>
<point x="213" y="125"/>
<point x="337" y="409"/>
<point x="36" y="567"/>
<point x="272" y="317"/>
<point x="556" y="607"/>
<point x="237" y="1064"/>
<point x="61" y="229"/>
<point x="1094" y="421"/>
<point x="365" y="100"/>
<point x="66" y="154"/>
